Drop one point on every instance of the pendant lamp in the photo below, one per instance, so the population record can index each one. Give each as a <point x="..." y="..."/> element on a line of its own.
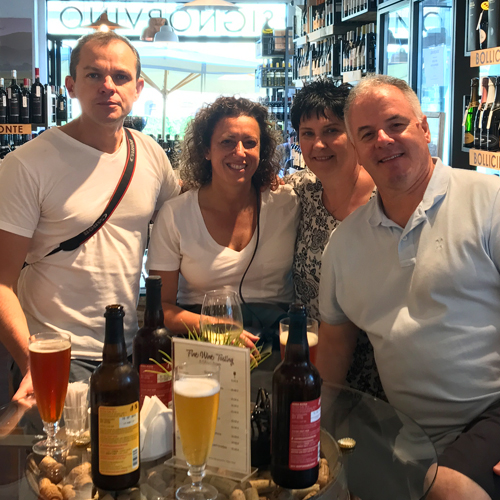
<point x="210" y="5"/>
<point x="102" y="23"/>
<point x="166" y="34"/>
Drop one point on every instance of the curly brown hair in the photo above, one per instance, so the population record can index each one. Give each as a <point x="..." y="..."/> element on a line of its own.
<point x="196" y="170"/>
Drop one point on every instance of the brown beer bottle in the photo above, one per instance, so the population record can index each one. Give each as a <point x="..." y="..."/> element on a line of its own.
<point x="296" y="410"/>
<point x="114" y="406"/>
<point x="152" y="338"/>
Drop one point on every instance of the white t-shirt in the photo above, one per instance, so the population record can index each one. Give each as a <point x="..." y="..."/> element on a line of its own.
<point x="55" y="187"/>
<point x="428" y="297"/>
<point x="180" y="240"/>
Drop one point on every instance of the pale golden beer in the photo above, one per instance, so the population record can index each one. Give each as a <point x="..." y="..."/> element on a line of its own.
<point x="196" y="406"/>
<point x="312" y="337"/>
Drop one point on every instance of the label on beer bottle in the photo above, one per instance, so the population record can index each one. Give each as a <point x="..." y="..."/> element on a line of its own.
<point x="155" y="382"/>
<point x="305" y="417"/>
<point x="119" y="439"/>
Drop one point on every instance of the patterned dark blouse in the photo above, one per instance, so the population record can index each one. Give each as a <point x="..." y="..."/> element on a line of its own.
<point x="315" y="226"/>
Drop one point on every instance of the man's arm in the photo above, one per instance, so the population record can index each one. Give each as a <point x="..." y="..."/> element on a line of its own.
<point x="336" y="344"/>
<point x="14" y="332"/>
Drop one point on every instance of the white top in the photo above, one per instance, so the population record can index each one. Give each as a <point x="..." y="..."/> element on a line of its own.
<point x="55" y="187"/>
<point x="428" y="297"/>
<point x="180" y="240"/>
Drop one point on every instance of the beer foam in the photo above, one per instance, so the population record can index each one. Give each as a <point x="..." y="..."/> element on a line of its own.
<point x="47" y="346"/>
<point x="196" y="387"/>
<point x="312" y="338"/>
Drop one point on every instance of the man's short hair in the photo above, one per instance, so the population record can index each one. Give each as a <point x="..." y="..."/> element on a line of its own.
<point x="318" y="97"/>
<point x="101" y="38"/>
<point x="371" y="82"/>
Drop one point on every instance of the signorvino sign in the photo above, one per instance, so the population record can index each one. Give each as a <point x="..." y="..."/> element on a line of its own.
<point x="70" y="17"/>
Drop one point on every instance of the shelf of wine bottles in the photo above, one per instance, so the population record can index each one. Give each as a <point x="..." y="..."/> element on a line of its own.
<point x="272" y="73"/>
<point x="359" y="10"/>
<point x="277" y="103"/>
<point x="33" y="105"/>
<point x="338" y="55"/>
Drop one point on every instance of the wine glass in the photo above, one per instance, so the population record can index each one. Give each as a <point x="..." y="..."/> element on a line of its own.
<point x="221" y="319"/>
<point x="50" y="359"/>
<point x="196" y="404"/>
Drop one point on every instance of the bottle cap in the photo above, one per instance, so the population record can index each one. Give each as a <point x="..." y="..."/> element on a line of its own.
<point x="114" y="310"/>
<point x="346" y="443"/>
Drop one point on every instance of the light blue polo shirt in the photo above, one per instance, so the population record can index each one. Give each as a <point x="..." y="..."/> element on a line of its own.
<point x="428" y="296"/>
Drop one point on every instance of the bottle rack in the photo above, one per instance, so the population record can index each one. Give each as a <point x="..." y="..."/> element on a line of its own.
<point x="359" y="10"/>
<point x="480" y="157"/>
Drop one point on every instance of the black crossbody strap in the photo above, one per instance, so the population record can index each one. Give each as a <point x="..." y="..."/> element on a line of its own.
<point x="121" y="189"/>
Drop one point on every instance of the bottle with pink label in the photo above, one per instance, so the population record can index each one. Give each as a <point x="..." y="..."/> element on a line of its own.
<point x="296" y="410"/>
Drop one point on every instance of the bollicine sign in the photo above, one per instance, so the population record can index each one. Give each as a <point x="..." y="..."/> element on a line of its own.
<point x="69" y="18"/>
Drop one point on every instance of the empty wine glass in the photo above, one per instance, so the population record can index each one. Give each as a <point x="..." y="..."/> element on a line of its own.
<point x="221" y="319"/>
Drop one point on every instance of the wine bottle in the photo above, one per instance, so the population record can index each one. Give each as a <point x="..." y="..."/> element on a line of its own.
<point x="296" y="410"/>
<point x="470" y="114"/>
<point x="61" y="107"/>
<point x="13" y="99"/>
<point x="493" y="125"/>
<point x="482" y="27"/>
<point x="371" y="53"/>
<point x="4" y="146"/>
<point x="490" y="98"/>
<point x="25" y="113"/>
<point x="493" y="23"/>
<point x="479" y="114"/>
<point x="3" y="102"/>
<point x="114" y="407"/>
<point x="267" y="39"/>
<point x="152" y="338"/>
<point x="37" y="96"/>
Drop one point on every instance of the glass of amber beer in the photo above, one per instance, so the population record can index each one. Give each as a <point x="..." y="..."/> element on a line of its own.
<point x="50" y="359"/>
<point x="196" y="403"/>
<point x="312" y="337"/>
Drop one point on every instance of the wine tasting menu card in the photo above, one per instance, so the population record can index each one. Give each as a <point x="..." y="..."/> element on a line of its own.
<point x="230" y="455"/>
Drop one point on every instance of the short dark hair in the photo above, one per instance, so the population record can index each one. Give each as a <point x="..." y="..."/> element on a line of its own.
<point x="196" y="170"/>
<point x="101" y="38"/>
<point x="318" y="97"/>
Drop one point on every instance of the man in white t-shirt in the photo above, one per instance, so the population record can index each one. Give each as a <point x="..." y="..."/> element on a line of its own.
<point x="55" y="187"/>
<point x="417" y="268"/>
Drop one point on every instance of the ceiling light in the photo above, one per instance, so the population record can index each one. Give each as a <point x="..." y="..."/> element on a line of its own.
<point x="210" y="5"/>
<point x="166" y="34"/>
<point x="104" y="24"/>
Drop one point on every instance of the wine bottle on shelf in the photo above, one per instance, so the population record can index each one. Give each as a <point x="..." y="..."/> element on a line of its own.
<point x="267" y="39"/>
<point x="470" y="114"/>
<point x="482" y="27"/>
<point x="37" y="99"/>
<point x="25" y="113"/>
<point x="114" y="407"/>
<point x="493" y="125"/>
<point x="296" y="410"/>
<point x="493" y="23"/>
<point x="3" y="102"/>
<point x="14" y="99"/>
<point x="490" y="98"/>
<point x="61" y="107"/>
<point x="479" y="114"/>
<point x="153" y="342"/>
<point x="371" y="51"/>
<point x="4" y="146"/>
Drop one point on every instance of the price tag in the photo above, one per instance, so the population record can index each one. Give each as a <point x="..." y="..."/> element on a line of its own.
<point x="231" y="446"/>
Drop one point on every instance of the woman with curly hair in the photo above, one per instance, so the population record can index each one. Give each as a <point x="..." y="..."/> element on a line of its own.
<point x="229" y="229"/>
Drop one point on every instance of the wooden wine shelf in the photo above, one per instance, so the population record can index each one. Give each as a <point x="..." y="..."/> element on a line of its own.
<point x="485" y="57"/>
<point x="486" y="159"/>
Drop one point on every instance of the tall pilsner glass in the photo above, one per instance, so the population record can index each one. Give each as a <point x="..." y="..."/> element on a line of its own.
<point x="196" y="403"/>
<point x="50" y="359"/>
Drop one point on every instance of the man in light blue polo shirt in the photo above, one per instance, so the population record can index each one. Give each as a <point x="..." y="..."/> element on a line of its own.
<point x="417" y="268"/>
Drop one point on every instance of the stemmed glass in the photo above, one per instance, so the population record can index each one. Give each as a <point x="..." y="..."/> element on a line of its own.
<point x="50" y="359"/>
<point x="196" y="403"/>
<point x="221" y="319"/>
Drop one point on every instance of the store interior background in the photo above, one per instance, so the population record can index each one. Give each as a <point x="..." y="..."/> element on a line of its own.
<point x="422" y="41"/>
